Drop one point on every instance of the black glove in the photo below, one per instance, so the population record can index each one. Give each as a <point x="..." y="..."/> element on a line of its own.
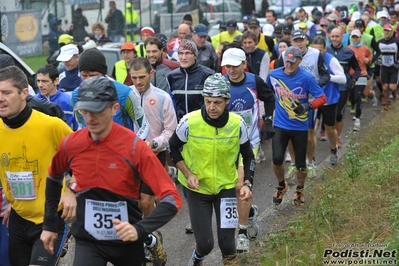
<point x="301" y="108"/>
<point x="396" y="65"/>
<point x="378" y="62"/>
<point x="352" y="84"/>
<point x="268" y="130"/>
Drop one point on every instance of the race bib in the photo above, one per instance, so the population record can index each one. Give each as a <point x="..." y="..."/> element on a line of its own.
<point x="22" y="185"/>
<point x="228" y="213"/>
<point x="99" y="216"/>
<point x="387" y="60"/>
<point x="361" y="81"/>
<point x="246" y="115"/>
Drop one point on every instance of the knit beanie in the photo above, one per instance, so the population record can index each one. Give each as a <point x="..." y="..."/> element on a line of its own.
<point x="163" y="39"/>
<point x="188" y="45"/>
<point x="93" y="60"/>
<point x="148" y="30"/>
<point x="6" y="61"/>
<point x="287" y="42"/>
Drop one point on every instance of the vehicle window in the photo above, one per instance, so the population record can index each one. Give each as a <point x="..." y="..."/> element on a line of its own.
<point x="307" y="2"/>
<point x="222" y="8"/>
<point x="183" y="8"/>
<point x="288" y="3"/>
<point x="343" y="3"/>
<point x="111" y="58"/>
<point x="213" y="31"/>
<point x="235" y="7"/>
<point x="43" y="5"/>
<point x="160" y="8"/>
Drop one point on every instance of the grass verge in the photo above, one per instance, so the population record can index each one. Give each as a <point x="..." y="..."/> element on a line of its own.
<point x="356" y="203"/>
<point x="35" y="62"/>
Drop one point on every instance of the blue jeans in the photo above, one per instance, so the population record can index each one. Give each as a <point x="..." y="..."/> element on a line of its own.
<point x="113" y="36"/>
<point x="4" y="261"/>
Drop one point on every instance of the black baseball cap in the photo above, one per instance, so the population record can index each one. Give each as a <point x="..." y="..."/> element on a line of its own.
<point x="278" y="30"/>
<point x="298" y="34"/>
<point x="231" y="24"/>
<point x="95" y="94"/>
<point x="330" y="27"/>
<point x="253" y="23"/>
<point x="222" y="26"/>
<point x="318" y="14"/>
<point x="320" y="33"/>
<point x="288" y="27"/>
<point x="360" y="23"/>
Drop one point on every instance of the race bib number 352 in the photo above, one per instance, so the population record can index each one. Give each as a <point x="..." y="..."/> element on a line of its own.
<point x="99" y="216"/>
<point x="228" y="213"/>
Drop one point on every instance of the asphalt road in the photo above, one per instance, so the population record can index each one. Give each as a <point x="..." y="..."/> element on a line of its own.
<point x="179" y="246"/>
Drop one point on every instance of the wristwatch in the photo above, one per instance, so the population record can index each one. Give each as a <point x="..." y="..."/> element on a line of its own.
<point x="72" y="186"/>
<point x="249" y="185"/>
<point x="267" y="118"/>
<point x="155" y="144"/>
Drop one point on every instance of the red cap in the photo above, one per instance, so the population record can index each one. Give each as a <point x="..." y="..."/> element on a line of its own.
<point x="148" y="30"/>
<point x="387" y="27"/>
<point x="128" y="46"/>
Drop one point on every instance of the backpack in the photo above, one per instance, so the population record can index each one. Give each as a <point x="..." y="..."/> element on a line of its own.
<point x="46" y="107"/>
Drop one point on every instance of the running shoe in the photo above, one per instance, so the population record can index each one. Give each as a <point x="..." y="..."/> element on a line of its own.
<point x="373" y="101"/>
<point x="364" y="99"/>
<point x="260" y="157"/>
<point x="298" y="198"/>
<point x="65" y="245"/>
<point x="64" y="249"/>
<point x="333" y="158"/>
<point x="291" y="172"/>
<point x="189" y="229"/>
<point x="288" y="158"/>
<point x="147" y="254"/>
<point x="253" y="226"/>
<point x="348" y="103"/>
<point x="383" y="100"/>
<point x="356" y="125"/>
<point x="323" y="135"/>
<point x="339" y="143"/>
<point x="388" y="105"/>
<point x="173" y="173"/>
<point x="242" y="243"/>
<point x="158" y="253"/>
<point x="278" y="196"/>
<point x="311" y="171"/>
<point x="195" y="261"/>
<point x="352" y="111"/>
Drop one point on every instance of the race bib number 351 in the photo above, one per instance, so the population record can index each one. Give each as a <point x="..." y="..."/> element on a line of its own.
<point x="99" y="216"/>
<point x="228" y="213"/>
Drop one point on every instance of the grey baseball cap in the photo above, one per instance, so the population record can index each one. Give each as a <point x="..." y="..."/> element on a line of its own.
<point x="95" y="94"/>
<point x="292" y="54"/>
